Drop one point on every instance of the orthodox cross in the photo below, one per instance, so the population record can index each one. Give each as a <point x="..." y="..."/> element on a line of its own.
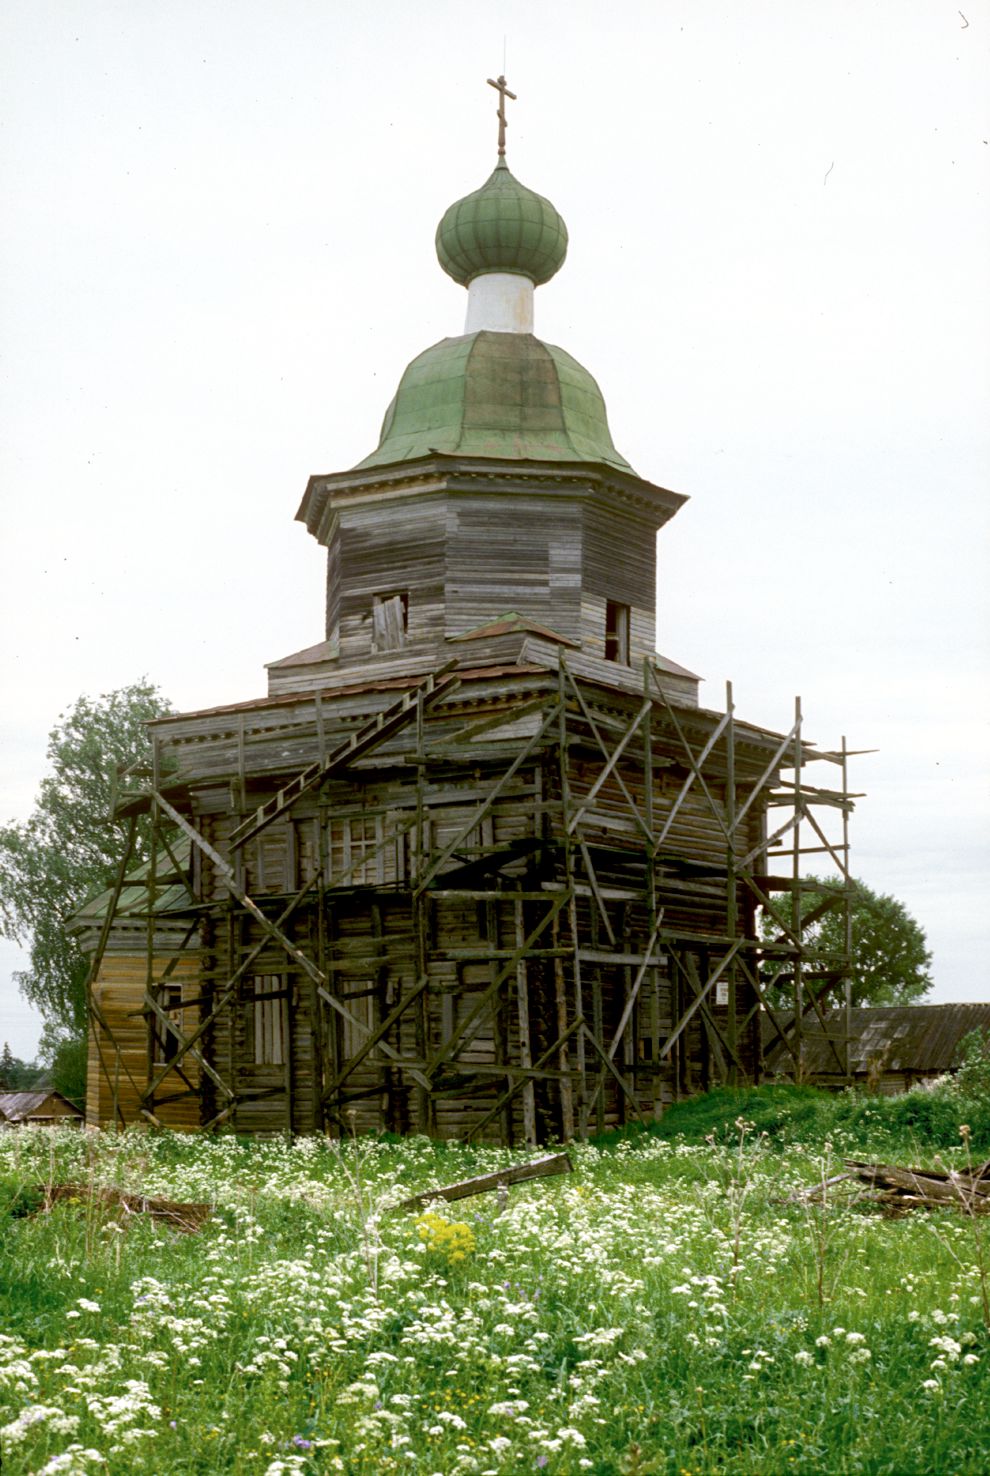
<point x="503" y="93"/>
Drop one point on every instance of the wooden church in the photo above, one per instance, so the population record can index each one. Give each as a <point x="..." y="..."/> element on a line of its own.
<point x="479" y="866"/>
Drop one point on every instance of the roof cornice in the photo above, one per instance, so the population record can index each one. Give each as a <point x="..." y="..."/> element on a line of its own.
<point x="442" y="473"/>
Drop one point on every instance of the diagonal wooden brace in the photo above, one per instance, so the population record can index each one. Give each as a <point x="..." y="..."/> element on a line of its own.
<point x="466" y="1032"/>
<point x="375" y="1037"/>
<point x="699" y="1000"/>
<point x="382" y="726"/>
<point x="490" y="799"/>
<point x="383" y="1045"/>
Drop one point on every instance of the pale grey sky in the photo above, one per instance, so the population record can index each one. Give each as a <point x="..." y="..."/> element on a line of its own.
<point x="216" y="258"/>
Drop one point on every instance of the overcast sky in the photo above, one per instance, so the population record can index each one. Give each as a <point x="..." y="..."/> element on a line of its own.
<point x="216" y="258"/>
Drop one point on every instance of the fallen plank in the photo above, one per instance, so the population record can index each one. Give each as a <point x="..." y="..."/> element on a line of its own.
<point x="187" y="1217"/>
<point x="897" y="1188"/>
<point x="816" y="1191"/>
<point x="538" y="1168"/>
<point x="979" y="1178"/>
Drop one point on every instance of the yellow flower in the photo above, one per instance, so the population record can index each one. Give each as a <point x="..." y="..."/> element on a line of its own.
<point x="451" y="1240"/>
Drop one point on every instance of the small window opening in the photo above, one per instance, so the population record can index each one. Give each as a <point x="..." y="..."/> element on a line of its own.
<point x="616" y="632"/>
<point x="166" y="1042"/>
<point x="390" y="620"/>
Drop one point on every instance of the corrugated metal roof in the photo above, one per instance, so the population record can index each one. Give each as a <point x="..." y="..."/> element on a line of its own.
<point x="917" y="1039"/>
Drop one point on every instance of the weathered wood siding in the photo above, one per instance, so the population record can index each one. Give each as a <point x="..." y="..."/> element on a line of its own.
<point x="465" y="557"/>
<point x="417" y="874"/>
<point x="118" y="1058"/>
<point x="618" y="563"/>
<point x="509" y="554"/>
<point x="375" y="549"/>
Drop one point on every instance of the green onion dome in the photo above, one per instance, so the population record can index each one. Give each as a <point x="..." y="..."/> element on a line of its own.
<point x="503" y="227"/>
<point x="507" y="396"/>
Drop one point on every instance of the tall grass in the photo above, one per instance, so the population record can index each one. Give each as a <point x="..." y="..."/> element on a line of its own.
<point x="665" y="1309"/>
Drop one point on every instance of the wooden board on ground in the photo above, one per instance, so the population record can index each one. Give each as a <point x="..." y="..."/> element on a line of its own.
<point x="538" y="1168"/>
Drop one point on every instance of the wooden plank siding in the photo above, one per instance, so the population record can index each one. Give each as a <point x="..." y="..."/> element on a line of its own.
<point x="618" y="563"/>
<point x="118" y="1054"/>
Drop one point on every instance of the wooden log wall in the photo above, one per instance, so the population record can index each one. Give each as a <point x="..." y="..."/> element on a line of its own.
<point x="461" y="561"/>
<point x="416" y="878"/>
<point x="521" y="562"/>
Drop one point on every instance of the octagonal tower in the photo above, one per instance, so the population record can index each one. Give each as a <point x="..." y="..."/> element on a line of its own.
<point x="496" y="507"/>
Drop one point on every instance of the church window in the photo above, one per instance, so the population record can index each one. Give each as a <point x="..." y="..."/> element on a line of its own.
<point x="360" y="1020"/>
<point x="390" y="620"/>
<point x="268" y="1020"/>
<point x="165" y="1042"/>
<point x="617" y="632"/>
<point x="364" y="850"/>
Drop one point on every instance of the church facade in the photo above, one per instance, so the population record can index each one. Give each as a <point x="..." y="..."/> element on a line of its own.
<point x="480" y="865"/>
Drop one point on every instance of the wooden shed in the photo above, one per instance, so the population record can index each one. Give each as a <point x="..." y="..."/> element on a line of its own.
<point x="39" y="1108"/>
<point x="891" y="1047"/>
<point x="479" y="864"/>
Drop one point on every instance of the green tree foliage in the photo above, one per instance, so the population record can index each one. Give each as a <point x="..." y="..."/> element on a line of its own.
<point x="67" y="1072"/>
<point x="16" y="1075"/>
<point x="973" y="1077"/>
<point x="69" y="850"/>
<point x="890" y="954"/>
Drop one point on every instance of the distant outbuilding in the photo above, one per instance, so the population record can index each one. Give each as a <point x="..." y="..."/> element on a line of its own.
<point x="41" y="1107"/>
<point x="891" y="1047"/>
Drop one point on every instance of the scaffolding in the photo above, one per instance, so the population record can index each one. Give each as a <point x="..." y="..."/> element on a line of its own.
<point x="564" y="812"/>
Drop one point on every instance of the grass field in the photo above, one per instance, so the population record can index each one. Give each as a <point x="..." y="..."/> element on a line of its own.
<point x="663" y="1309"/>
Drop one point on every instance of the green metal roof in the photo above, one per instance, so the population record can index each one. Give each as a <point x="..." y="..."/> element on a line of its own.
<point x="503" y="227"/>
<point x="171" y="890"/>
<point x="502" y="395"/>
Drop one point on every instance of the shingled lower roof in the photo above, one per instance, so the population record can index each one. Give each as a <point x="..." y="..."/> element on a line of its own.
<point x="922" y="1040"/>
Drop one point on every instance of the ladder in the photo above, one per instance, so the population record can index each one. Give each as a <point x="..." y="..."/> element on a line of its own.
<point x="382" y="726"/>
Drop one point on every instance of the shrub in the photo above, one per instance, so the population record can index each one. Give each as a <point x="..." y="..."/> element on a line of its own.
<point x="973" y="1077"/>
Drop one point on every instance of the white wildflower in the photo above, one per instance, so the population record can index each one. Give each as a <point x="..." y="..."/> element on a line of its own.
<point x="568" y="1433"/>
<point x="453" y="1420"/>
<point x="74" y="1461"/>
<point x="31" y="1414"/>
